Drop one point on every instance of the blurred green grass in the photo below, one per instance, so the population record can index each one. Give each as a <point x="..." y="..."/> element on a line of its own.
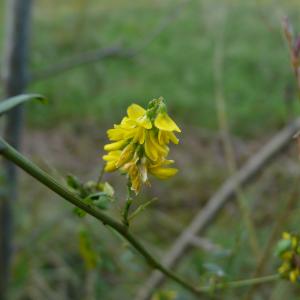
<point x="178" y="64"/>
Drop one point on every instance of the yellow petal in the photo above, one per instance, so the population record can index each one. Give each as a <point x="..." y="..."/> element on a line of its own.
<point x="164" y="137"/>
<point x="150" y="149"/>
<point x="135" y="177"/>
<point x="126" y="155"/>
<point x="164" y="122"/>
<point x="162" y="150"/>
<point x="173" y="138"/>
<point x="284" y="268"/>
<point x="126" y="123"/>
<point x="144" y="122"/>
<point x="116" y="134"/>
<point x="110" y="167"/>
<point x="286" y="235"/>
<point x="135" y="111"/>
<point x="163" y="173"/>
<point x="115" y="146"/>
<point x="294" y="275"/>
<point x="113" y="155"/>
<point x="139" y="135"/>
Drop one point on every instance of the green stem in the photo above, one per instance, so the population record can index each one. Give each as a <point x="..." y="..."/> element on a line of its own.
<point x="100" y="177"/>
<point x="126" y="212"/>
<point x="241" y="283"/>
<point x="14" y="156"/>
<point x="128" y="203"/>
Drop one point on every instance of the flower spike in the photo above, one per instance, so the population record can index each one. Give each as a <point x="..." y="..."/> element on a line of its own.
<point x="139" y="144"/>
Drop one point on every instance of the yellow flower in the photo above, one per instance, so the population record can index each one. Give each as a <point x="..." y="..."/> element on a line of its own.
<point x="284" y="268"/>
<point x="126" y="155"/>
<point x="294" y="275"/>
<point x="164" y="122"/>
<point x="160" y="171"/>
<point x="164" y="137"/>
<point x="112" y="159"/>
<point x="138" y="114"/>
<point x="286" y="235"/>
<point x="115" y="146"/>
<point x="153" y="149"/>
<point x="134" y="175"/>
<point x="140" y="144"/>
<point x="288" y="251"/>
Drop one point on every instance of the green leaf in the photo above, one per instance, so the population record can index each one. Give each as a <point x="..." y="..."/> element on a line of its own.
<point x="108" y="189"/>
<point x="141" y="208"/>
<point x="73" y="182"/>
<point x="103" y="202"/>
<point x="12" y="102"/>
<point x="95" y="196"/>
<point x="282" y="246"/>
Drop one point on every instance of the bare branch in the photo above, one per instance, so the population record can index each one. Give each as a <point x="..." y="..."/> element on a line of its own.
<point x="217" y="202"/>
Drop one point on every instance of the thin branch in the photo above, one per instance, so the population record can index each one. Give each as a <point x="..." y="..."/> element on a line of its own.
<point x="217" y="202"/>
<point x="109" y="52"/>
<point x="17" y="158"/>
<point x="242" y="283"/>
<point x="14" y="156"/>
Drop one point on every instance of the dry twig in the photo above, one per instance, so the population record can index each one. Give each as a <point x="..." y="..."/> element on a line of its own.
<point x="217" y="202"/>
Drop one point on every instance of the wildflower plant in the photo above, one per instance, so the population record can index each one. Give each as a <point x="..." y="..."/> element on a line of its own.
<point x="140" y="144"/>
<point x="288" y="250"/>
<point x="139" y="148"/>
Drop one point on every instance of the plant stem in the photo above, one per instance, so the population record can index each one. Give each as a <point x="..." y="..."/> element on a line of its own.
<point x="242" y="283"/>
<point x="128" y="203"/>
<point x="14" y="156"/>
<point x="100" y="177"/>
<point x="17" y="158"/>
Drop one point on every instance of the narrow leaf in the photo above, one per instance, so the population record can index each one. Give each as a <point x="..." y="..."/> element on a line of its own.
<point x="12" y="102"/>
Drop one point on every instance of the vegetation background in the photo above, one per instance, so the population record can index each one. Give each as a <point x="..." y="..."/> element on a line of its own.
<point x="68" y="134"/>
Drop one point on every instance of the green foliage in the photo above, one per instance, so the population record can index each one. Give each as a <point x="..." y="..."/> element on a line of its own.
<point x="178" y="64"/>
<point x="282" y="246"/>
<point x="97" y="194"/>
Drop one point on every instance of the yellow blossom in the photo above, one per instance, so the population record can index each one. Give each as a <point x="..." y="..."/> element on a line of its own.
<point x="164" y="122"/>
<point x="160" y="171"/>
<point x="111" y="158"/>
<point x="288" y="250"/>
<point x="140" y="144"/>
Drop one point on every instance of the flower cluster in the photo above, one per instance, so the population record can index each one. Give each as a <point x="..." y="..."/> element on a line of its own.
<point x="289" y="251"/>
<point x="140" y="144"/>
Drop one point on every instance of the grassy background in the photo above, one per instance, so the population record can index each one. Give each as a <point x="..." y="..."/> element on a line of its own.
<point x="66" y="135"/>
<point x="178" y="64"/>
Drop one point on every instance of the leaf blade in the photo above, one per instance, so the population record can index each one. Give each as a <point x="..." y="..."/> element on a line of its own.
<point x="10" y="103"/>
